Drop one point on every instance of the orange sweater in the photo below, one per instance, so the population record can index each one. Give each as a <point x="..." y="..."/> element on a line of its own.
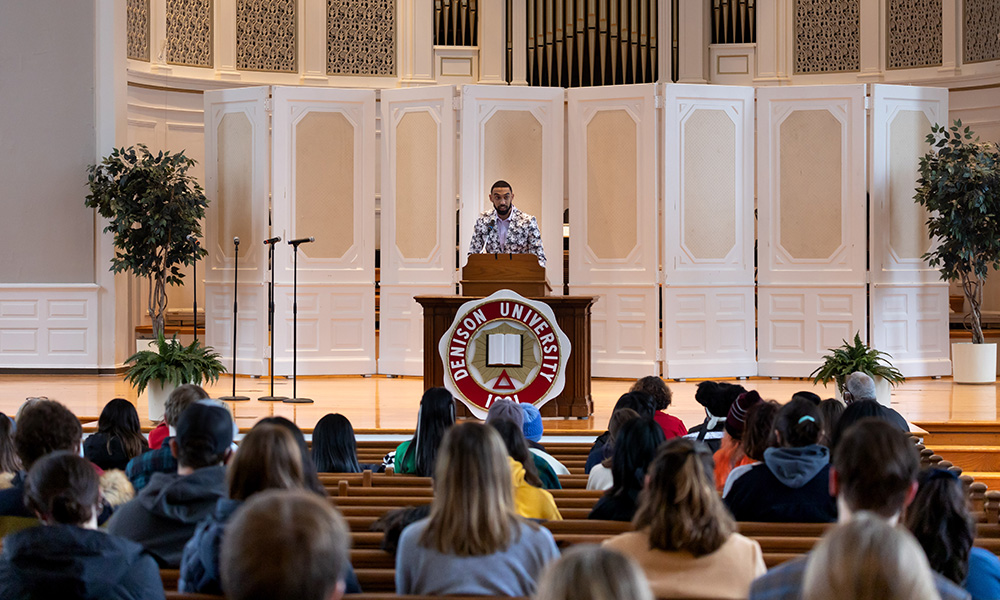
<point x="729" y="456"/>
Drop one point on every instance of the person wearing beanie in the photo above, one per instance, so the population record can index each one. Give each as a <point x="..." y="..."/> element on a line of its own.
<point x="533" y="429"/>
<point x="717" y="397"/>
<point x="730" y="453"/>
<point x="508" y="410"/>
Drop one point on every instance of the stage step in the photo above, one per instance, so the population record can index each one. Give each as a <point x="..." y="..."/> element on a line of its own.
<point x="970" y="458"/>
<point x="956" y="433"/>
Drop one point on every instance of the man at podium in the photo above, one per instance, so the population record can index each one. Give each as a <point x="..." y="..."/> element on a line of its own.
<point x="506" y="230"/>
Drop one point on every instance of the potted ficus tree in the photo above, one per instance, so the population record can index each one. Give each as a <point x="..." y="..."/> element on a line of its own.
<point x="858" y="356"/>
<point x="959" y="184"/>
<point x="153" y="207"/>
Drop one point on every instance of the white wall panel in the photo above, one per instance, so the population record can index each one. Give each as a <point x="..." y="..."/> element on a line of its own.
<point x="48" y="326"/>
<point x="612" y="211"/>
<point x="909" y="301"/>
<point x="324" y="187"/>
<point x="708" y="232"/>
<point x="514" y="134"/>
<point x="417" y="218"/>
<point x="237" y="183"/>
<point x="812" y="237"/>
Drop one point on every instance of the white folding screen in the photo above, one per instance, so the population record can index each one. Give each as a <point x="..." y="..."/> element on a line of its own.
<point x="613" y="223"/>
<point x="324" y="187"/>
<point x="812" y="237"/>
<point x="909" y="302"/>
<point x="237" y="183"/>
<point x="515" y="134"/>
<point x="708" y="232"/>
<point x="418" y="218"/>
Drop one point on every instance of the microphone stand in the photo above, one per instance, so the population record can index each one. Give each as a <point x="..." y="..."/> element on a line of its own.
<point x="236" y="291"/>
<point x="270" y="321"/>
<point x="194" y="275"/>
<point x="295" y="321"/>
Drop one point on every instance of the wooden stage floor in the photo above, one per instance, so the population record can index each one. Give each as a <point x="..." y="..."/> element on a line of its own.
<point x="381" y="405"/>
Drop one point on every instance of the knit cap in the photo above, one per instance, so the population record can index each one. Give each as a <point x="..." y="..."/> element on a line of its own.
<point x="736" y="420"/>
<point x="504" y="409"/>
<point x="533" y="427"/>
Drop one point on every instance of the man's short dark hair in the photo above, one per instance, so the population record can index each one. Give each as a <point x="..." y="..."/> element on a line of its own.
<point x="284" y="544"/>
<point x="46" y="426"/>
<point x="182" y="397"/>
<point x="876" y="465"/>
<point x="501" y="184"/>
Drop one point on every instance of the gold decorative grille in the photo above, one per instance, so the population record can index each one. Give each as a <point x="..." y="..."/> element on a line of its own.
<point x="361" y="37"/>
<point x="265" y="35"/>
<point x="827" y="36"/>
<point x="982" y="30"/>
<point x="189" y="32"/>
<point x="137" y="25"/>
<point x="913" y="33"/>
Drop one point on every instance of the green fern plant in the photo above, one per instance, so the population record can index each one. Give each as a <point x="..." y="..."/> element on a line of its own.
<point x="858" y="356"/>
<point x="174" y="363"/>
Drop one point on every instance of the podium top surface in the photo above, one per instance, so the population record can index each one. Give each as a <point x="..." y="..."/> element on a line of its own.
<point x="441" y="298"/>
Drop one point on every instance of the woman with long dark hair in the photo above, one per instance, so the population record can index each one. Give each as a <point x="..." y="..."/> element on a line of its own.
<point x="10" y="464"/>
<point x="417" y="456"/>
<point x="530" y="500"/>
<point x="334" y="447"/>
<point x="118" y="439"/>
<point x="939" y="518"/>
<point x="634" y="449"/>
<point x="685" y="540"/>
<point x="473" y="542"/>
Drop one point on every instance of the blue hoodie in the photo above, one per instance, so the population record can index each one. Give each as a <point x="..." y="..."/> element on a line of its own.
<point x="792" y="485"/>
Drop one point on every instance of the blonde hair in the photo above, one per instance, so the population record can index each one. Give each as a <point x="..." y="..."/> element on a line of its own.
<point x="473" y="511"/>
<point x="268" y="457"/>
<point x="588" y="572"/>
<point x="679" y="505"/>
<point x="868" y="559"/>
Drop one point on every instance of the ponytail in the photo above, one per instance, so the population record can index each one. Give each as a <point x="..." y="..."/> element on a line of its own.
<point x="799" y="423"/>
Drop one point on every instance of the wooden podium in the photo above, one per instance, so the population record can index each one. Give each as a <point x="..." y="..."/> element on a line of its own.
<point x="487" y="273"/>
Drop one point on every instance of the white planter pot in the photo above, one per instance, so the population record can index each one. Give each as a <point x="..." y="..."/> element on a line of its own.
<point x="883" y="391"/>
<point x="157" y="393"/>
<point x="973" y="363"/>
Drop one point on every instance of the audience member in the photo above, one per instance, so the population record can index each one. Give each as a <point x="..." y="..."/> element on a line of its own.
<point x="867" y="559"/>
<point x="757" y="438"/>
<point x="860" y="387"/>
<point x="164" y="515"/>
<point x="334" y="447"/>
<point x="600" y="477"/>
<point x="807" y="395"/>
<point x="161" y="460"/>
<point x="508" y="410"/>
<point x="393" y="522"/>
<point x="641" y="403"/>
<point x="29" y="401"/>
<point x="662" y="396"/>
<point x="474" y="542"/>
<point x="530" y="500"/>
<point x="285" y="544"/>
<point x="589" y="572"/>
<point x="10" y="464"/>
<point x="730" y="453"/>
<point x="793" y="483"/>
<point x="417" y="456"/>
<point x="43" y="427"/>
<point x="717" y="398"/>
<point x="874" y="469"/>
<point x="118" y="439"/>
<point x="268" y="458"/>
<point x="533" y="430"/>
<point x="69" y="557"/>
<point x="857" y="411"/>
<point x="831" y="409"/>
<point x="313" y="483"/>
<point x="685" y="541"/>
<point x="636" y="446"/>
<point x="939" y="518"/>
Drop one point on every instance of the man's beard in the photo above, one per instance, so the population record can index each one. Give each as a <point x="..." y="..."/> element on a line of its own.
<point x="504" y="213"/>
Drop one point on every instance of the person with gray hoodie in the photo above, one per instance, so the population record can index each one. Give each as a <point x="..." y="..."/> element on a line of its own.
<point x="792" y="485"/>
<point x="164" y="515"/>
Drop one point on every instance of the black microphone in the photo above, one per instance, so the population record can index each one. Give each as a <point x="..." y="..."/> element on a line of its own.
<point x="236" y="241"/>
<point x="273" y="240"/>
<point x="301" y="241"/>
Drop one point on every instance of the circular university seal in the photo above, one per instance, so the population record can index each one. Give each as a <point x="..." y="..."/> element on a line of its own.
<point x="504" y="346"/>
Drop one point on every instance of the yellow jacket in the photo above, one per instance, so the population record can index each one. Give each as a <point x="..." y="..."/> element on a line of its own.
<point x="529" y="501"/>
